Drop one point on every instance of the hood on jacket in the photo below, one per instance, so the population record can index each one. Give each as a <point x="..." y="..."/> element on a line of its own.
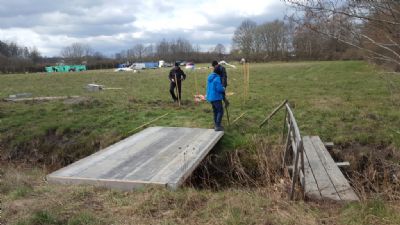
<point x="212" y="76"/>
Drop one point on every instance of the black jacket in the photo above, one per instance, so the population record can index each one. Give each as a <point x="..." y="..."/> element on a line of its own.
<point x="180" y="75"/>
<point x="221" y="71"/>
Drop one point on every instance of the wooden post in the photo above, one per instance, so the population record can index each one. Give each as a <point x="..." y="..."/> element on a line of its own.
<point x="234" y="121"/>
<point x="287" y="144"/>
<point x="177" y="91"/>
<point x="244" y="83"/>
<point x="196" y="89"/>
<point x="302" y="167"/>
<point x="137" y="128"/>
<point x="272" y="113"/>
<point x="296" y="169"/>
<point x="284" y="126"/>
<point x="195" y="84"/>
<point x="247" y="80"/>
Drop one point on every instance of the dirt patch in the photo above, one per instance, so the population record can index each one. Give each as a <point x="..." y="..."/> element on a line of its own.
<point x="54" y="148"/>
<point x="373" y="169"/>
<point x="258" y="166"/>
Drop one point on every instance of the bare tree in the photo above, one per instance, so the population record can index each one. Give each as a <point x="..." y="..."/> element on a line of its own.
<point x="77" y="52"/>
<point x="371" y="26"/>
<point x="243" y="38"/>
<point x="138" y="50"/>
<point x="34" y="55"/>
<point x="271" y="40"/>
<point x="149" y="51"/>
<point x="220" y="50"/>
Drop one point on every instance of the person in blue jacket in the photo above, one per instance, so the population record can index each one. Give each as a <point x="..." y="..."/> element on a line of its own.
<point x="215" y="93"/>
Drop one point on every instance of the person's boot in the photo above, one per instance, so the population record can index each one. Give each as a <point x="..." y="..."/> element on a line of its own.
<point x="220" y="128"/>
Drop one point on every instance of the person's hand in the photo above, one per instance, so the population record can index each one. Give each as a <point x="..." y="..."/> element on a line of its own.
<point x="173" y="80"/>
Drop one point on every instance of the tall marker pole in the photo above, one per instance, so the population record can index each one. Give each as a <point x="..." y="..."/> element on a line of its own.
<point x="196" y="87"/>
<point x="177" y="91"/>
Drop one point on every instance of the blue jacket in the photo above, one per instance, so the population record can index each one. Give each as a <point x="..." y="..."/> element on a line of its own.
<point x="214" y="87"/>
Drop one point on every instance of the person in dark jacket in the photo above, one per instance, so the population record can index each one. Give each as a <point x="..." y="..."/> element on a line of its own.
<point x="214" y="93"/>
<point x="221" y="71"/>
<point x="176" y="76"/>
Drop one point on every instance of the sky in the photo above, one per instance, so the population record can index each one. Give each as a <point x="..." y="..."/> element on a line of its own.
<point x="112" y="26"/>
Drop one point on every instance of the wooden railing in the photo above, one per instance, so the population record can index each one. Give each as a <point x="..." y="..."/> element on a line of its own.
<point x="293" y="142"/>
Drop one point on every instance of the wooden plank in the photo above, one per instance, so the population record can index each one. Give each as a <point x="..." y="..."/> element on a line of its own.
<point x="340" y="183"/>
<point x="310" y="187"/>
<point x="342" y="164"/>
<point x="339" y="164"/>
<point x="329" y="145"/>
<point x="296" y="170"/>
<point x="40" y="98"/>
<point x="322" y="179"/>
<point x="157" y="155"/>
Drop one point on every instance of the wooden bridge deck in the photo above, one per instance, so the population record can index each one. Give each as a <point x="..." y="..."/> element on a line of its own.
<point x="322" y="177"/>
<point x="155" y="156"/>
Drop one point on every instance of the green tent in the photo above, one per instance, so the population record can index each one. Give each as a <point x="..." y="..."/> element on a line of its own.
<point x="65" y="68"/>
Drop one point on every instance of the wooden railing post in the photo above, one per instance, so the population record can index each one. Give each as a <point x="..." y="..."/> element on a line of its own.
<point x="293" y="141"/>
<point x="284" y="126"/>
<point x="288" y="141"/>
<point x="302" y="166"/>
<point x="295" y="170"/>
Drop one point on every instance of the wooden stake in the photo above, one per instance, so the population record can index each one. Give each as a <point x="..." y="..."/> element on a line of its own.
<point x="234" y="121"/>
<point x="148" y="123"/>
<point x="272" y="113"/>
<point x="248" y="80"/>
<point x="196" y="87"/>
<point x="177" y="91"/>
<point x="244" y="83"/>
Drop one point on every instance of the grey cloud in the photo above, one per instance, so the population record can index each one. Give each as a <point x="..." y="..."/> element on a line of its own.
<point x="23" y="14"/>
<point x="100" y="20"/>
<point x="75" y="31"/>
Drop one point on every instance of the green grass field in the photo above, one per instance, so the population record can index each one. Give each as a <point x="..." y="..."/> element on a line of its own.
<point x="345" y="102"/>
<point x="351" y="103"/>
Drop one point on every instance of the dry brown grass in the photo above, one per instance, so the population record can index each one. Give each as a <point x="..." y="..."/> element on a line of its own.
<point x="63" y="204"/>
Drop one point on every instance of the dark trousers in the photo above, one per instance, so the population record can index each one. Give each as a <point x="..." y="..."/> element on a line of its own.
<point x="172" y="90"/>
<point x="218" y="110"/>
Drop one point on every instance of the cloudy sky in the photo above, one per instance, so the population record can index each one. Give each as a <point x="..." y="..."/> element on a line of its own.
<point x="111" y="26"/>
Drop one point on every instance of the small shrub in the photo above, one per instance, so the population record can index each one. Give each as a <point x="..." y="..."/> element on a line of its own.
<point x="20" y="192"/>
<point x="43" y="218"/>
<point x="84" y="218"/>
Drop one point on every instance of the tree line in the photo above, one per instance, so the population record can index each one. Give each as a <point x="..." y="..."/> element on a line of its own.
<point x="326" y="30"/>
<point x="371" y="28"/>
<point x="170" y="51"/>
<point x="314" y="30"/>
<point x="14" y="57"/>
